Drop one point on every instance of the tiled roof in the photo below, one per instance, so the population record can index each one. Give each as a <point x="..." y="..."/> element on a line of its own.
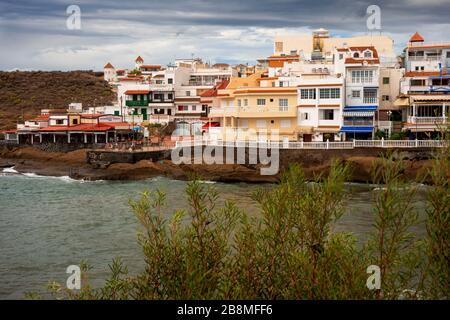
<point x="150" y="66"/>
<point x="139" y="59"/>
<point x="423" y="74"/>
<point x="356" y="60"/>
<point x="87" y="127"/>
<point x="137" y="91"/>
<point x="416" y="37"/>
<point x="42" y="117"/>
<point x="108" y="66"/>
<point x="213" y="92"/>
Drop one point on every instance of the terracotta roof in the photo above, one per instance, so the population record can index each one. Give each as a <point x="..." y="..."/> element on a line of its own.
<point x="108" y="66"/>
<point x="364" y="48"/>
<point x="356" y="60"/>
<point x="139" y="59"/>
<point x="423" y="74"/>
<point x="416" y="37"/>
<point x="42" y="117"/>
<point x="137" y="91"/>
<point x="131" y="79"/>
<point x="88" y="127"/>
<point x="213" y="92"/>
<point x="150" y="66"/>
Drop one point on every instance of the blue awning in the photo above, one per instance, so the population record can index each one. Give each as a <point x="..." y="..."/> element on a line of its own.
<point x="360" y="108"/>
<point x="357" y="129"/>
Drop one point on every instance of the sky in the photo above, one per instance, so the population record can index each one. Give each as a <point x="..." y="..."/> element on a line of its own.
<point x="35" y="36"/>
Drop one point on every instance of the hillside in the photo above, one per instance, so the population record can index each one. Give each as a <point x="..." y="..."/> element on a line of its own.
<point x="23" y="94"/>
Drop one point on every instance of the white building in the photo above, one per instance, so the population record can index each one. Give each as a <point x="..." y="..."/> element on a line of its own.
<point x="425" y="87"/>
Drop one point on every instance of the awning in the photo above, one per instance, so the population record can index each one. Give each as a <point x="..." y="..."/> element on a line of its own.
<point x="358" y="114"/>
<point x="357" y="129"/>
<point x="401" y="102"/>
<point x="360" y="108"/>
<point x="210" y="125"/>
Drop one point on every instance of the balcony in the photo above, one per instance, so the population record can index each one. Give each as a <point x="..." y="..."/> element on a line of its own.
<point x="370" y="100"/>
<point x="136" y="103"/>
<point x="427" y="120"/>
<point x="358" y="123"/>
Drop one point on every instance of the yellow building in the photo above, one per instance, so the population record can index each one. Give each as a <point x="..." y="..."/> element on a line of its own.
<point x="246" y="109"/>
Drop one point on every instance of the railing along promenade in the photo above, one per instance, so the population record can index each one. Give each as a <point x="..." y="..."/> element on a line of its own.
<point x="318" y="145"/>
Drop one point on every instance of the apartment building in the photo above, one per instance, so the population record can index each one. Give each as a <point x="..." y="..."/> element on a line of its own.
<point x="251" y="108"/>
<point x="360" y="67"/>
<point x="152" y="94"/>
<point x="388" y="117"/>
<point x="425" y="87"/>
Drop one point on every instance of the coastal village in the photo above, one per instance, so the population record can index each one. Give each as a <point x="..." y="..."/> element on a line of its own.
<point x="313" y="88"/>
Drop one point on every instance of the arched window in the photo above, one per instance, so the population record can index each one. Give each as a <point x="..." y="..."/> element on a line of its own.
<point x="356" y="55"/>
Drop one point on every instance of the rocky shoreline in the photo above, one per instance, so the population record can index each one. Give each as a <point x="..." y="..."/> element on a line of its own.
<point x="73" y="164"/>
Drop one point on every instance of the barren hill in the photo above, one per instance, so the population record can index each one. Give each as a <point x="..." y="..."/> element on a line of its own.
<point x="23" y="94"/>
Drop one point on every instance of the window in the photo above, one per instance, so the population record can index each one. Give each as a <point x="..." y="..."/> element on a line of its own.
<point x="330" y="93"/>
<point x="59" y="121"/>
<point x="417" y="68"/>
<point x="182" y="108"/>
<point x="188" y="93"/>
<point x="341" y="56"/>
<point x="370" y="96"/>
<point x="271" y="100"/>
<point x="385" y="80"/>
<point x="327" y="114"/>
<point x="283" y="104"/>
<point x="170" y="96"/>
<point x="356" y="55"/>
<point x="385" y="98"/>
<point x="260" y="123"/>
<point x="239" y="103"/>
<point x="261" y="102"/>
<point x="422" y="68"/>
<point x="243" y="123"/>
<point x="307" y="94"/>
<point x="194" y="108"/>
<point x="285" y="123"/>
<point x="368" y="54"/>
<point x="356" y="94"/>
<point x="448" y="54"/>
<point x="362" y="76"/>
<point x="417" y="82"/>
<point x="169" y="80"/>
<point x="245" y="102"/>
<point x="305" y="116"/>
<point x="75" y="121"/>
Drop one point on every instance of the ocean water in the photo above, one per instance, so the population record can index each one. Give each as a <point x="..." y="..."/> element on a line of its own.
<point x="49" y="223"/>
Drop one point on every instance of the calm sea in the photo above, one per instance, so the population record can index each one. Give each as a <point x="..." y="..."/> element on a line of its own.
<point x="49" y="223"/>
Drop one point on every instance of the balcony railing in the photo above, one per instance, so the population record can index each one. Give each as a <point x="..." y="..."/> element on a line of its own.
<point x="370" y="100"/>
<point x="136" y="103"/>
<point x="358" y="123"/>
<point x="427" y="120"/>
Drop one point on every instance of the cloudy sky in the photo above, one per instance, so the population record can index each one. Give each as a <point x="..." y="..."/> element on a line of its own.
<point x="34" y="34"/>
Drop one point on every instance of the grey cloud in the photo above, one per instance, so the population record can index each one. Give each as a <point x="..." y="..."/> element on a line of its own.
<point x="114" y="29"/>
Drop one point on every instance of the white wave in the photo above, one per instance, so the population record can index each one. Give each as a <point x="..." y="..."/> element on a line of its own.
<point x="207" y="182"/>
<point x="34" y="175"/>
<point x="10" y="170"/>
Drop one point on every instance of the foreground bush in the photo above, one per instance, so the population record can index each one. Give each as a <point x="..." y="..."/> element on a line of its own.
<point x="289" y="250"/>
